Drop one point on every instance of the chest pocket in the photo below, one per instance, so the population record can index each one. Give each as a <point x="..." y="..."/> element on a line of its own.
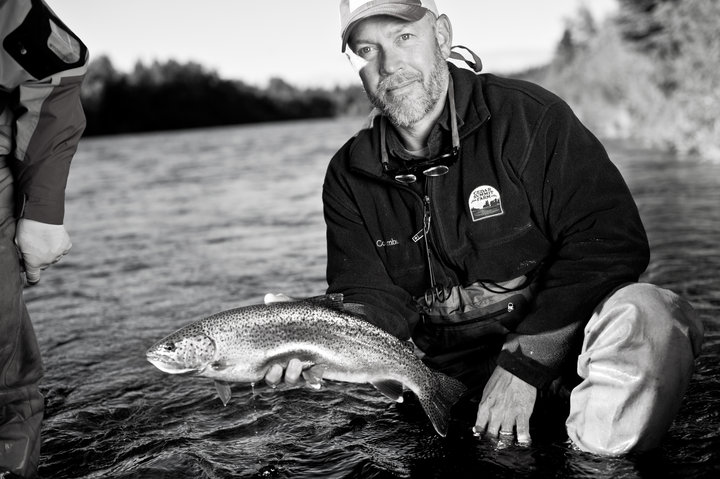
<point x="391" y="222"/>
<point x="500" y="258"/>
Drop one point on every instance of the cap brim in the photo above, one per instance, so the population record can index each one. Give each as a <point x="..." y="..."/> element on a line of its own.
<point x="409" y="13"/>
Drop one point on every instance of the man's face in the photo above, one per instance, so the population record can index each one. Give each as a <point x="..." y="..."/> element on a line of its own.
<point x="401" y="66"/>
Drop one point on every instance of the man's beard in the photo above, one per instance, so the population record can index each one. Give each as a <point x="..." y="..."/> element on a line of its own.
<point x="406" y="109"/>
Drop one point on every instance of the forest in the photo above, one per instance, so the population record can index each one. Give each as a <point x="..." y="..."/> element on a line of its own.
<point x="169" y="95"/>
<point x="649" y="73"/>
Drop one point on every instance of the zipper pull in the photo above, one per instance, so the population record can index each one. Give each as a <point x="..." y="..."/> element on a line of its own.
<point x="426" y="214"/>
<point x="426" y="221"/>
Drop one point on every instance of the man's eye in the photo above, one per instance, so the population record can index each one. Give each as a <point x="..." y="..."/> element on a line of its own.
<point x="405" y="36"/>
<point x="364" y="51"/>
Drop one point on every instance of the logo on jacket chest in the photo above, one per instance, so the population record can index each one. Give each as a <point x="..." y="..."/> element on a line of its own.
<point x="386" y="243"/>
<point x="485" y="202"/>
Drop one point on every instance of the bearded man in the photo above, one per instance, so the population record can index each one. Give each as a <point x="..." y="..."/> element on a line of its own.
<point x="477" y="216"/>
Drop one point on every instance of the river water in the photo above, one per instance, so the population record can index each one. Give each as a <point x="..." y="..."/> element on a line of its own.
<point x="171" y="227"/>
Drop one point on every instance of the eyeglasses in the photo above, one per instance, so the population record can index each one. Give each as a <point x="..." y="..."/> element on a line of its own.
<point x="437" y="166"/>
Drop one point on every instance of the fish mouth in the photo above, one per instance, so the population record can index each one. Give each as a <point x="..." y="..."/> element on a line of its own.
<point x="170" y="367"/>
<point x="170" y="356"/>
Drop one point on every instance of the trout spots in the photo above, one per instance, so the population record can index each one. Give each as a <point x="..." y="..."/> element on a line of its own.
<point x="239" y="345"/>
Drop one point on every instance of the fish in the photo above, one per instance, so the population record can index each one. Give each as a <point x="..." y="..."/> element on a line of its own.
<point x="240" y="345"/>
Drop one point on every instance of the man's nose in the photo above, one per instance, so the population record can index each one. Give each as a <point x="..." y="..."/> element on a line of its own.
<point x="391" y="61"/>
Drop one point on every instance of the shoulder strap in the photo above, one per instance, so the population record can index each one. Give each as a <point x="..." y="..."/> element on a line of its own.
<point x="475" y="63"/>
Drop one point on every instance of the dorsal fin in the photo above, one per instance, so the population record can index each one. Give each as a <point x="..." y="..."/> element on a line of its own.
<point x="332" y="301"/>
<point x="408" y="345"/>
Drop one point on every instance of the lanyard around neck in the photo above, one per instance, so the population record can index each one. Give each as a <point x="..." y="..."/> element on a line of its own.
<point x="453" y="128"/>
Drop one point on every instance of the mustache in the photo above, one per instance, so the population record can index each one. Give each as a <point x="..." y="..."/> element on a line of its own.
<point x="396" y="80"/>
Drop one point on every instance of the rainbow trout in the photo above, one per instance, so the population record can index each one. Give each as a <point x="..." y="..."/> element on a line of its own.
<point x="240" y="345"/>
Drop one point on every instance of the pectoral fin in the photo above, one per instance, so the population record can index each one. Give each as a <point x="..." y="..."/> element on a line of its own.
<point x="224" y="392"/>
<point x="390" y="388"/>
<point x="313" y="376"/>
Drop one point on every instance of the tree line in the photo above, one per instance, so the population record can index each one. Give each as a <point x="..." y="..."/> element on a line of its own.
<point x="170" y="95"/>
<point x="648" y="73"/>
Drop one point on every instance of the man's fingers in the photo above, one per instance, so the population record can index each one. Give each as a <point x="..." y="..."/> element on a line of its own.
<point x="481" y="422"/>
<point x="274" y="375"/>
<point x="32" y="275"/>
<point x="58" y="258"/>
<point x="33" y="265"/>
<point x="494" y="427"/>
<point x="276" y="298"/>
<point x="293" y="371"/>
<point x="495" y="417"/>
<point x="502" y="428"/>
<point x="523" y="431"/>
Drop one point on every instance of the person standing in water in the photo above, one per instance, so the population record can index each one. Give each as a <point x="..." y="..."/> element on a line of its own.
<point x="42" y="64"/>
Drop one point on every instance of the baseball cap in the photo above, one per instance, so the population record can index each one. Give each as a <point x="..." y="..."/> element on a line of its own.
<point x="352" y="11"/>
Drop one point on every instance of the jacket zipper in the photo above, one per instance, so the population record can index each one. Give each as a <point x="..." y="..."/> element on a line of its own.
<point x="426" y="231"/>
<point x="437" y="237"/>
<point x="427" y="218"/>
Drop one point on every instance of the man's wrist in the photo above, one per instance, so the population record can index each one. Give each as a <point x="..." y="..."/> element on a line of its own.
<point x="527" y="369"/>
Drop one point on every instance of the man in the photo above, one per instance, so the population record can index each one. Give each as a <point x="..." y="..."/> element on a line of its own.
<point x="477" y="216"/>
<point x="41" y="120"/>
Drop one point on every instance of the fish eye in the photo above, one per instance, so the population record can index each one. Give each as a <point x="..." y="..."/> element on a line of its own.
<point x="170" y="347"/>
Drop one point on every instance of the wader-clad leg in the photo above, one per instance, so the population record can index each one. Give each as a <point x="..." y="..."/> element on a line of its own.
<point x="637" y="359"/>
<point x="21" y="404"/>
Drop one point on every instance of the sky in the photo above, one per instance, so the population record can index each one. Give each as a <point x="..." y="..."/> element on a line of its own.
<point x="299" y="40"/>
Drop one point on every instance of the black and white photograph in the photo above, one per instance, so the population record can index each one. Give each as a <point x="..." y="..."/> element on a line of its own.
<point x="366" y="239"/>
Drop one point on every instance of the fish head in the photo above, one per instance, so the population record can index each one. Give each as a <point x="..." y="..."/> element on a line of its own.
<point x="187" y="351"/>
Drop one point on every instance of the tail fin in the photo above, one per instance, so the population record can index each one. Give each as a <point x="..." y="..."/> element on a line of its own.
<point x="437" y="399"/>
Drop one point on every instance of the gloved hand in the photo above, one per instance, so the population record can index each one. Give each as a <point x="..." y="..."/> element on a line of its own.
<point x="40" y="245"/>
<point x="294" y="368"/>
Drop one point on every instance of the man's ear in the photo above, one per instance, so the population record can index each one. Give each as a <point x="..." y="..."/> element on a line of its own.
<point x="443" y="29"/>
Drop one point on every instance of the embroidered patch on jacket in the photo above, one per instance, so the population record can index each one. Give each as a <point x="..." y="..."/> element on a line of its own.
<point x="485" y="202"/>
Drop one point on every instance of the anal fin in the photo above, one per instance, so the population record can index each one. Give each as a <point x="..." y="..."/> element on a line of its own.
<point x="224" y="392"/>
<point x="390" y="388"/>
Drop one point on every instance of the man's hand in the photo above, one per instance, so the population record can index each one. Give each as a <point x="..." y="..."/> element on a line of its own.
<point x="41" y="245"/>
<point x="295" y="367"/>
<point x="292" y="373"/>
<point x="507" y="404"/>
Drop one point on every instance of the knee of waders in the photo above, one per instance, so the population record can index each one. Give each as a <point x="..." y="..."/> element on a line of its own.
<point x="636" y="362"/>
